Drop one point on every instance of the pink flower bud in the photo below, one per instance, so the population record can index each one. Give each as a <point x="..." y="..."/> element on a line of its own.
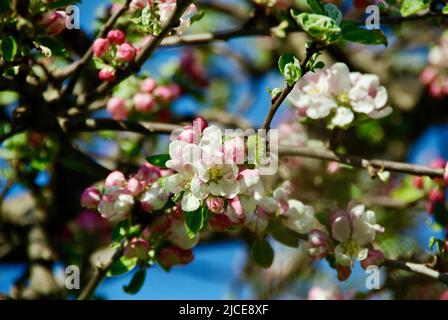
<point x="116" y="36"/>
<point x="221" y="222"/>
<point x="163" y="94"/>
<point x="215" y="204"/>
<point x="137" y="248"/>
<point x="374" y="258"/>
<point x="438" y="163"/>
<point x="188" y="135"/>
<point x="144" y="102"/>
<point x="148" y="173"/>
<point x="200" y="124"/>
<point x="148" y="85"/>
<point x="115" y="179"/>
<point x="90" y="198"/>
<point x="107" y="74"/>
<point x="54" y="22"/>
<point x="135" y="186"/>
<point x="317" y="244"/>
<point x="126" y="52"/>
<point x="436" y="195"/>
<point x="435" y="89"/>
<point x="117" y="108"/>
<point x="100" y="47"/>
<point x="428" y="75"/>
<point x="139" y="4"/>
<point x="176" y="90"/>
<point x="235" y="204"/>
<point x="333" y="167"/>
<point x="171" y="256"/>
<point x="418" y="182"/>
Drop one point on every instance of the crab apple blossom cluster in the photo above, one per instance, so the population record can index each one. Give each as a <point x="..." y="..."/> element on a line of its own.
<point x="340" y="96"/>
<point x="210" y="172"/>
<point x="164" y="9"/>
<point x="352" y="233"/>
<point x="435" y="74"/>
<point x="147" y="97"/>
<point x="116" y="199"/>
<point x="113" y="52"/>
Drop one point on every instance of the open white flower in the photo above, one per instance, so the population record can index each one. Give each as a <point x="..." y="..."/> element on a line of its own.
<point x="339" y="94"/>
<point x="353" y="229"/>
<point x="300" y="218"/>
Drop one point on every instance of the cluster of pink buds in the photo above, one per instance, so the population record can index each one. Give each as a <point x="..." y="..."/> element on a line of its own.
<point x="149" y="97"/>
<point x="436" y="188"/>
<point x="117" y="197"/>
<point x="435" y="75"/>
<point x="114" y="51"/>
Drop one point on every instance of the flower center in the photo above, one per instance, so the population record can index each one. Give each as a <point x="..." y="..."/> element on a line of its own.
<point x="350" y="247"/>
<point x="343" y="99"/>
<point x="214" y="174"/>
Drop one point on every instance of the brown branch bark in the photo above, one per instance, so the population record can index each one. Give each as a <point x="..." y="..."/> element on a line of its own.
<point x="417" y="268"/>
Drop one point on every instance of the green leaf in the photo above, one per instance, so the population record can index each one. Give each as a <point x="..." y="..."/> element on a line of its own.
<point x="318" y="26"/>
<point x="262" y="253"/>
<point x="122" y="266"/>
<point x="195" y="221"/>
<point x="353" y="33"/>
<point x="8" y="48"/>
<point x="62" y="3"/>
<point x="319" y="65"/>
<point x="159" y="160"/>
<point x="408" y="194"/>
<point x="445" y="9"/>
<point x="316" y="6"/>
<point x="290" y="67"/>
<point x="410" y="7"/>
<point x="286" y="236"/>
<point x="50" y="46"/>
<point x="98" y="63"/>
<point x="120" y="231"/>
<point x="198" y="16"/>
<point x="332" y="11"/>
<point x="136" y="283"/>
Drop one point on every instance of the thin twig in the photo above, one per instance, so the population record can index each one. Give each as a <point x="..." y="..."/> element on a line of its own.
<point x="144" y="55"/>
<point x="77" y="66"/>
<point x="100" y="273"/>
<point x="277" y="101"/>
<point x="417" y="268"/>
<point x="80" y="125"/>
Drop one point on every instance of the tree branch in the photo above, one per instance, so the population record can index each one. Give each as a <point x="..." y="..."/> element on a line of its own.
<point x="144" y="55"/>
<point x="276" y="102"/>
<point x="80" y="125"/>
<point x="77" y="66"/>
<point x="417" y="268"/>
<point x="100" y="273"/>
